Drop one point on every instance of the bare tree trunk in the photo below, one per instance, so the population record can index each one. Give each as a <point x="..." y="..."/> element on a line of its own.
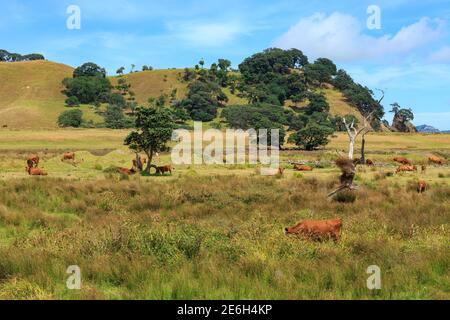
<point x="363" y="149"/>
<point x="149" y="161"/>
<point x="138" y="162"/>
<point x="351" y="148"/>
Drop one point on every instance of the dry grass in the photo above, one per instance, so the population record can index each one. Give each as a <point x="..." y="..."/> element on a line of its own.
<point x="218" y="237"/>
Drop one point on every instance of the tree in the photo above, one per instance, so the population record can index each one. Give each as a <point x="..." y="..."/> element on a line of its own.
<point x="321" y="71"/>
<point x="88" y="89"/>
<point x="312" y="136"/>
<point x="89" y="69"/>
<point x="117" y="99"/>
<point x="120" y="71"/>
<point x="154" y="129"/>
<point x="201" y="62"/>
<point x="317" y="103"/>
<point x="72" y="101"/>
<point x="70" y="118"/>
<point x="404" y="114"/>
<point x="114" y="118"/>
<point x="132" y="67"/>
<point x="203" y="99"/>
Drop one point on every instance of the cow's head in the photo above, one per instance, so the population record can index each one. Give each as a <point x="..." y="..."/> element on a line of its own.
<point x="293" y="230"/>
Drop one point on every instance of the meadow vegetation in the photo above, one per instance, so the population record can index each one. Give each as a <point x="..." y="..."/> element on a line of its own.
<point x="216" y="232"/>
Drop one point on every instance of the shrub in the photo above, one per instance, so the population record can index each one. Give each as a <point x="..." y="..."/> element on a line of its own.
<point x="72" y="101"/>
<point x="345" y="197"/>
<point x="70" y="118"/>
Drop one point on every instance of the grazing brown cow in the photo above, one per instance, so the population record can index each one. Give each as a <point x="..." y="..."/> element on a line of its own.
<point x="370" y="163"/>
<point x="32" y="171"/>
<point x="403" y="160"/>
<point x="406" y="168"/>
<point x="317" y="230"/>
<point x="421" y="186"/>
<point x="436" y="160"/>
<point x="68" y="156"/>
<point x="34" y="159"/>
<point x="301" y="167"/>
<point x="164" y="169"/>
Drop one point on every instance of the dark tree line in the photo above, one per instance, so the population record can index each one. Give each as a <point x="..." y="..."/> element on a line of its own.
<point x="6" y="56"/>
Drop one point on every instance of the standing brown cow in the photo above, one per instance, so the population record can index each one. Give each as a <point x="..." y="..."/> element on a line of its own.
<point x="421" y="186"/>
<point x="164" y="169"/>
<point x="317" y="230"/>
<point x="68" y="156"/>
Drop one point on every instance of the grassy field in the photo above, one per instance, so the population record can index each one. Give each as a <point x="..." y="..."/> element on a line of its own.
<point x="216" y="232"/>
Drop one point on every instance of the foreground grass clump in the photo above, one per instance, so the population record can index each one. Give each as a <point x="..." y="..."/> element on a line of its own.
<point x="218" y="237"/>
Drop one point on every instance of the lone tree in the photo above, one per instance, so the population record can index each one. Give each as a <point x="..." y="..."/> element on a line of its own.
<point x="154" y="129"/>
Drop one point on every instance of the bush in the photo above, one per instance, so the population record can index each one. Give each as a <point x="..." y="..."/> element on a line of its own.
<point x="345" y="197"/>
<point x="72" y="101"/>
<point x="70" y="118"/>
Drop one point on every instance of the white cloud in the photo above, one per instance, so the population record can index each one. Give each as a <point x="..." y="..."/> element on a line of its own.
<point x="208" y="34"/>
<point x="442" y="55"/>
<point x="340" y="37"/>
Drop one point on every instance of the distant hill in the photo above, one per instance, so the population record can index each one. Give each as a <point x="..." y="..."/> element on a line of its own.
<point x="30" y="94"/>
<point x="427" y="129"/>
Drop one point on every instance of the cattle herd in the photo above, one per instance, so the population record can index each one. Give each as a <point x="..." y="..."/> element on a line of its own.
<point x="33" y="163"/>
<point x="316" y="230"/>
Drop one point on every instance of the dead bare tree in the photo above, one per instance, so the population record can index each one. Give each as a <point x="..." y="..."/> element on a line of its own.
<point x="348" y="170"/>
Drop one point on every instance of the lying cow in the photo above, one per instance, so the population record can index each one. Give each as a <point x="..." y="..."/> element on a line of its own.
<point x="370" y="163"/>
<point x="406" y="169"/>
<point x="68" y="156"/>
<point x="164" y="169"/>
<point x="32" y="171"/>
<point x="34" y="160"/>
<point x="302" y="167"/>
<point x="403" y="160"/>
<point x="436" y="160"/>
<point x="317" y="230"/>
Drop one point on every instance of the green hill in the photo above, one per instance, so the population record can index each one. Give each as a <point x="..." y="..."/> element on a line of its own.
<point x="30" y="95"/>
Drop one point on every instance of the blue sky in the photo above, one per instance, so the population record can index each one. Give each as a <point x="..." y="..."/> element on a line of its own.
<point x="409" y="57"/>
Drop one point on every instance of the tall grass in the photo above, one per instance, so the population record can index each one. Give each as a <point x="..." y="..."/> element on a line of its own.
<point x="219" y="237"/>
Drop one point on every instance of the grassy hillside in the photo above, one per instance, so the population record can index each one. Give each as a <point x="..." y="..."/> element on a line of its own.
<point x="30" y="94"/>
<point x="31" y="98"/>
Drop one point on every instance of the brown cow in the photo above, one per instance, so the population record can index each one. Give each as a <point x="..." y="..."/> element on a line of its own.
<point x="68" y="156"/>
<point x="421" y="186"/>
<point x="406" y="168"/>
<point x="32" y="171"/>
<point x="403" y="160"/>
<point x="370" y="163"/>
<point x="34" y="159"/>
<point x="317" y="230"/>
<point x="301" y="167"/>
<point x="128" y="172"/>
<point x="436" y="160"/>
<point x="164" y="169"/>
